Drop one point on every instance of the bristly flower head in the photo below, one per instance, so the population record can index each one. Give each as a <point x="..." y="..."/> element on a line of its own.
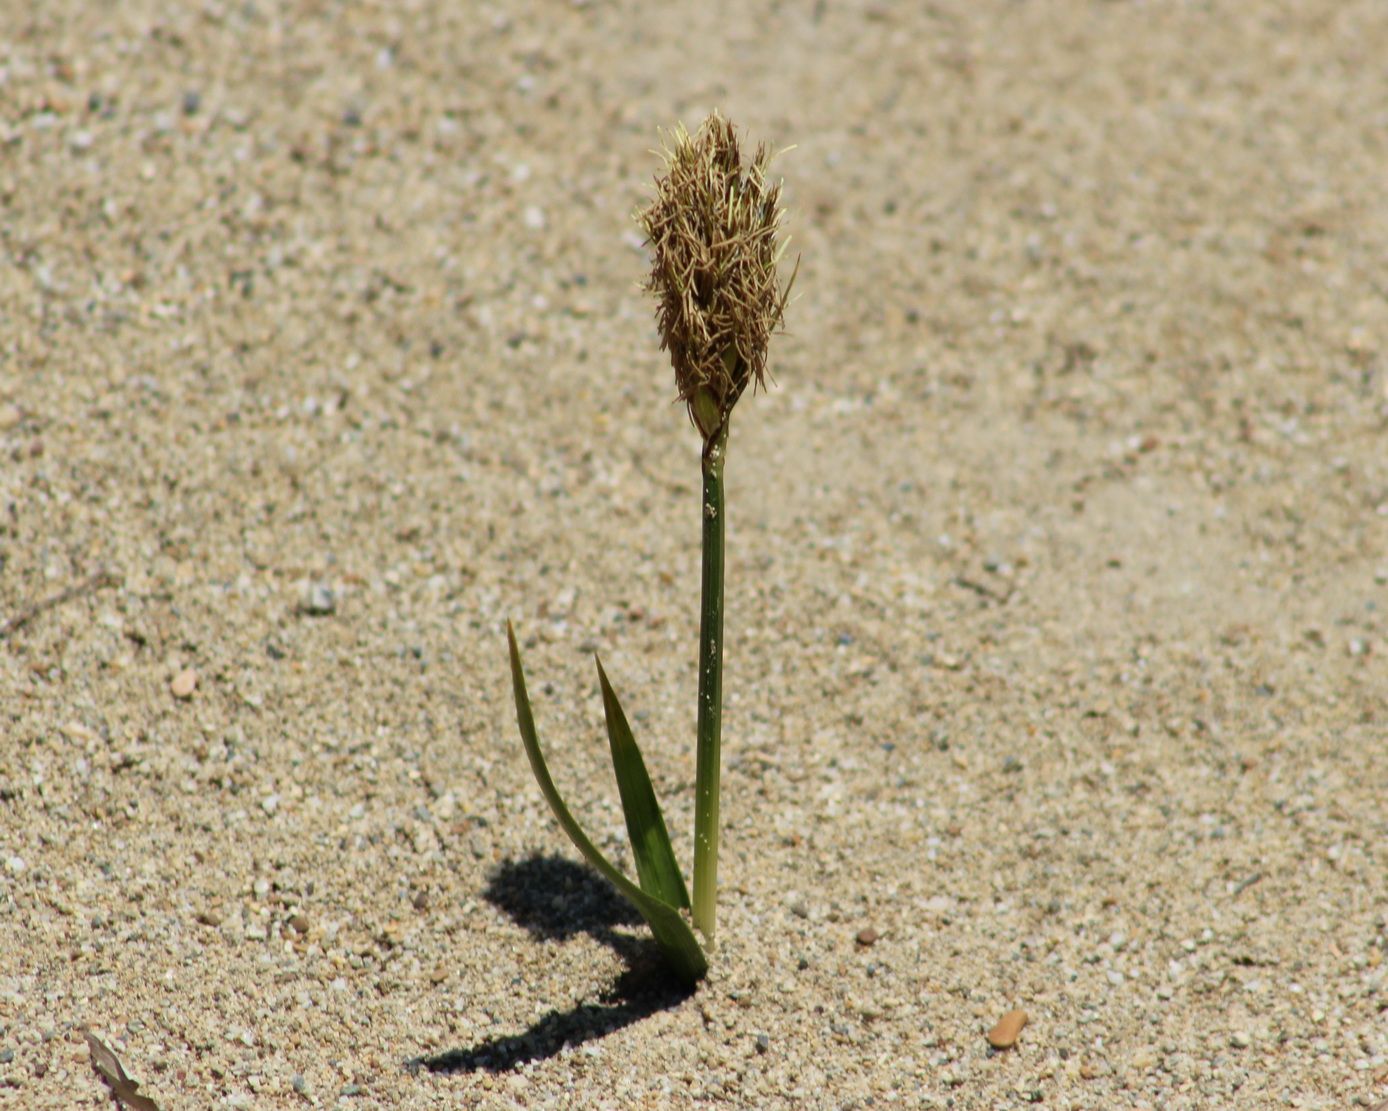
<point x="713" y="230"/>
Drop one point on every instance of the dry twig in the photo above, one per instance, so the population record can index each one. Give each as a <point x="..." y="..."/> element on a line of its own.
<point x="102" y="578"/>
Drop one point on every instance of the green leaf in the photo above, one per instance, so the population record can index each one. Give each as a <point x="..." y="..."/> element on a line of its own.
<point x="672" y="933"/>
<point x="650" y="838"/>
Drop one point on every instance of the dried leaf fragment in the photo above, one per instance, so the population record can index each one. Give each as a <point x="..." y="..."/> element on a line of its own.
<point x="108" y="1064"/>
<point x="1004" y="1035"/>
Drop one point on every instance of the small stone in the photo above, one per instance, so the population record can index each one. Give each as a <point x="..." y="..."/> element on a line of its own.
<point x="1004" y="1035"/>
<point x="439" y="975"/>
<point x="210" y="918"/>
<point x="299" y="923"/>
<point x="1240" y="1040"/>
<point x="319" y="599"/>
<point x="10" y="416"/>
<point x="6" y="1056"/>
<point x="421" y="900"/>
<point x="763" y="1043"/>
<point x="184" y="683"/>
<point x="269" y="804"/>
<point x="300" y="1085"/>
<point x="867" y="937"/>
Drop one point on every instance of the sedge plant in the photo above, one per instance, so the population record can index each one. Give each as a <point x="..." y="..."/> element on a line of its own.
<point x="714" y="233"/>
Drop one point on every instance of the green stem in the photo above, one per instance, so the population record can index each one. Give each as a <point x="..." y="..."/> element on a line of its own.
<point x="708" y="766"/>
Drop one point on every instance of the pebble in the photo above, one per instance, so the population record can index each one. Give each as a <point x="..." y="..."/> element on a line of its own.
<point x="184" y="683"/>
<point x="319" y="599"/>
<point x="1004" y="1035"/>
<point x="299" y="923"/>
<point x="867" y="936"/>
<point x="210" y="918"/>
<point x="10" y="416"/>
<point x="1240" y="1040"/>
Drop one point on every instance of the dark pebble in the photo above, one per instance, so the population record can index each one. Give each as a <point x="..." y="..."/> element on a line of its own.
<point x="867" y="936"/>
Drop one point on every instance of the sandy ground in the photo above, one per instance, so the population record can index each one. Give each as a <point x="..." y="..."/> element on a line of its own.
<point x="1057" y="578"/>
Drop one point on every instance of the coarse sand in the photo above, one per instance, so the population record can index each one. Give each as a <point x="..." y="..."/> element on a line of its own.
<point x="1056" y="673"/>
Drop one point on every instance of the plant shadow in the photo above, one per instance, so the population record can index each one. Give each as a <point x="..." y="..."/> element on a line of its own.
<point x="557" y="899"/>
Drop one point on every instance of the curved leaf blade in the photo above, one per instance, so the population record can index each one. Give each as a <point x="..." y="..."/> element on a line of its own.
<point x="650" y="837"/>
<point x="672" y="933"/>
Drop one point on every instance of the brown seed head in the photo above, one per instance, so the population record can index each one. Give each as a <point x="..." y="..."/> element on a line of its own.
<point x="713" y="230"/>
